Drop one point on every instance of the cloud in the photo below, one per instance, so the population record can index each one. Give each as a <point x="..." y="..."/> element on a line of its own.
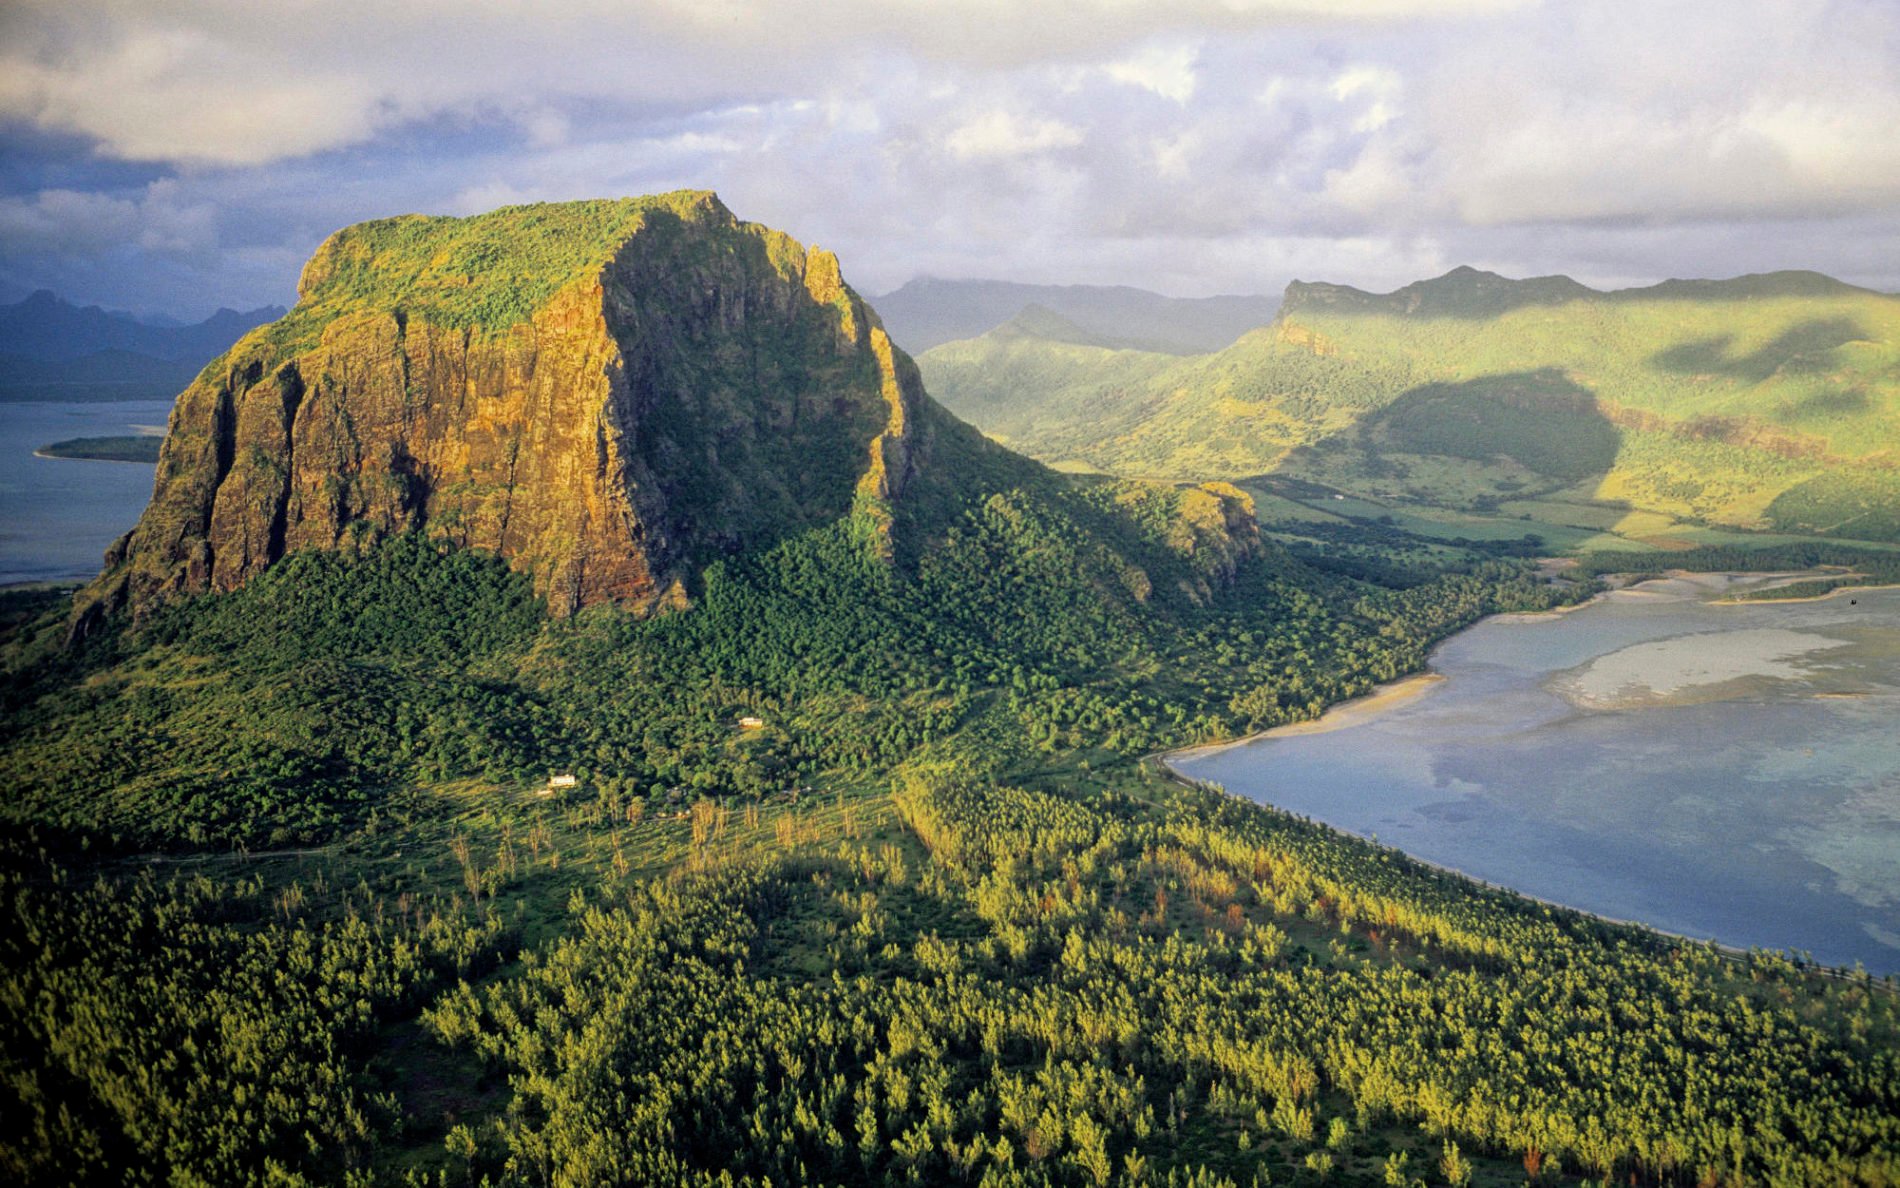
<point x="184" y="95"/>
<point x="1168" y="71"/>
<point x="1199" y="146"/>
<point x="76" y="221"/>
<point x="1674" y="112"/>
<point x="239" y="83"/>
<point x="999" y="133"/>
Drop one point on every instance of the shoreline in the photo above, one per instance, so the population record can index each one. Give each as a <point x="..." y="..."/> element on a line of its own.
<point x="1813" y="966"/>
<point x="1555" y="612"/>
<point x="1392" y="694"/>
<point x="1367" y="706"/>
<point x="1835" y="592"/>
<point x="1336" y="716"/>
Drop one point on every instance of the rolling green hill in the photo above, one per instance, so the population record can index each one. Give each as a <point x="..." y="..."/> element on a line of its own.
<point x="1760" y="403"/>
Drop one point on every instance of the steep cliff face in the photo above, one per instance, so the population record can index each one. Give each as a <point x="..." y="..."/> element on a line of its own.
<point x="607" y="394"/>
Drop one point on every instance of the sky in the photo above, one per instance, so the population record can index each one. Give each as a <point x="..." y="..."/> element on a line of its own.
<point x="173" y="156"/>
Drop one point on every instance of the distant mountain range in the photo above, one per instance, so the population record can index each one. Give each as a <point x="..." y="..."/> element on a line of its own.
<point x="51" y="349"/>
<point x="1762" y="402"/>
<point x="1467" y="292"/>
<point x="929" y="311"/>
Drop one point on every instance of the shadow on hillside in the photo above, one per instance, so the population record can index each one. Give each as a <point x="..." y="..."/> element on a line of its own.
<point x="754" y="423"/>
<point x="1542" y="420"/>
<point x="1801" y="349"/>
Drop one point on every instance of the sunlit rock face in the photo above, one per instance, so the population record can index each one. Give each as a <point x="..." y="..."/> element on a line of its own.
<point x="606" y="394"/>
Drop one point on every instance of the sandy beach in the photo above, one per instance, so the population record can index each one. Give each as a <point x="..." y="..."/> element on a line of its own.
<point x="1340" y="716"/>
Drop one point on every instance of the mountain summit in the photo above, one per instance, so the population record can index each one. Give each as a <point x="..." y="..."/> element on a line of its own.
<point x="1464" y="292"/>
<point x="607" y="394"/>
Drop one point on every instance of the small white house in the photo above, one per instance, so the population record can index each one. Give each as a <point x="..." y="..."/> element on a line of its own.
<point x="556" y="782"/>
<point x="751" y="723"/>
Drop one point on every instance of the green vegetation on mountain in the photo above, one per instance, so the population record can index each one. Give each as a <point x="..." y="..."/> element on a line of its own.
<point x="1763" y="403"/>
<point x="1129" y="616"/>
<point x="389" y="862"/>
<point x="488" y="271"/>
<point x="1014" y="385"/>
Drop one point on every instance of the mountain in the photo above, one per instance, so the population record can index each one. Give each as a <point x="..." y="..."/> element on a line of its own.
<point x="1758" y="402"/>
<point x="607" y="395"/>
<point x="43" y="326"/>
<point x="1030" y="392"/>
<point x="1467" y="292"/>
<point x="51" y="349"/>
<point x="1464" y="292"/>
<point x="930" y="311"/>
<point x="1046" y="325"/>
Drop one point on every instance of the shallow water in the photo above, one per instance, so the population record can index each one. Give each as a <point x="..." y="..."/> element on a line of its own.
<point x="58" y="515"/>
<point x="1723" y="771"/>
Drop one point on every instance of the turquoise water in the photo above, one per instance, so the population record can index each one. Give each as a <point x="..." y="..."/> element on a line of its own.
<point x="1725" y="771"/>
<point x="57" y="515"/>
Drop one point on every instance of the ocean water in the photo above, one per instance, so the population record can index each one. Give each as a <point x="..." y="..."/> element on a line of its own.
<point x="1725" y="771"/>
<point x="58" y="515"/>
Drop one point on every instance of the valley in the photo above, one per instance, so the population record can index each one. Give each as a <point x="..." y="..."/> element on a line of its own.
<point x="1646" y="418"/>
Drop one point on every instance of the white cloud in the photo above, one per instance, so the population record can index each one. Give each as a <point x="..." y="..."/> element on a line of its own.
<point x="183" y="95"/>
<point x="1205" y="145"/>
<point x="1376" y="183"/>
<point x="1373" y="90"/>
<point x="75" y="221"/>
<point x="546" y="127"/>
<point x="998" y="133"/>
<point x="241" y="83"/>
<point x="1174" y="156"/>
<point x="1168" y="71"/>
<point x="1362" y="79"/>
<point x="1676" y="112"/>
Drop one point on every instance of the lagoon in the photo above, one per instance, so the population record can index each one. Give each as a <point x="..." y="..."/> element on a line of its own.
<point x="1727" y="771"/>
<point x="58" y="515"/>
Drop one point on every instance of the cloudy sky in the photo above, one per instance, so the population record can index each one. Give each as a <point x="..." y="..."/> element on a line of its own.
<point x="177" y="155"/>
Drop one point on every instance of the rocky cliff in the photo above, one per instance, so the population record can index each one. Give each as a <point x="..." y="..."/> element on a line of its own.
<point x="606" y="394"/>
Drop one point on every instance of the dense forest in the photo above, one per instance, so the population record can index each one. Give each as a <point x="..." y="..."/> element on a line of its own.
<point x="289" y="897"/>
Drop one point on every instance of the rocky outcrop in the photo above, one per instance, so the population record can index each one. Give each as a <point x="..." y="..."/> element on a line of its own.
<point x="1216" y="531"/>
<point x="676" y="386"/>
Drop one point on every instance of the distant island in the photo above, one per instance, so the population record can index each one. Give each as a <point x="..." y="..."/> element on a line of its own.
<point x="134" y="448"/>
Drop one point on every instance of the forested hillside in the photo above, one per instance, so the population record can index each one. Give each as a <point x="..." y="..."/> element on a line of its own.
<point x="397" y="853"/>
<point x="288" y="898"/>
<point x="1766" y="402"/>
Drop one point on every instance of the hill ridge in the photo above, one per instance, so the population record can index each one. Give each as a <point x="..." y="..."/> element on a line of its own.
<point x="1471" y="292"/>
<point x="1769" y="401"/>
